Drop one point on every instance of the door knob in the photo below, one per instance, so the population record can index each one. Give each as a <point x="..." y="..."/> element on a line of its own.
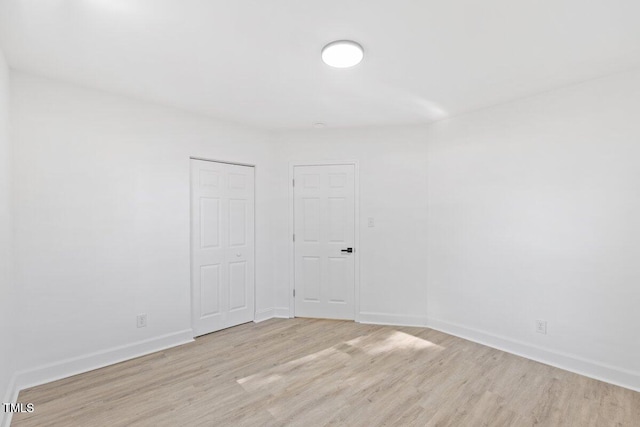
<point x="349" y="250"/>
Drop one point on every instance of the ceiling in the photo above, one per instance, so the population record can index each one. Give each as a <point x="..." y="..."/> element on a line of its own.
<point x="258" y="61"/>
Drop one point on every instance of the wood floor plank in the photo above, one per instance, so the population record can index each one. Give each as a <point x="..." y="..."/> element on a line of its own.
<point x="312" y="372"/>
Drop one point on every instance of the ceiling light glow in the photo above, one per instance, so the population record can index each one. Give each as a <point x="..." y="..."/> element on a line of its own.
<point x="342" y="54"/>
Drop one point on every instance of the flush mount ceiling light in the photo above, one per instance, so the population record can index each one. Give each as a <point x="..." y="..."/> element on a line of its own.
<point x="342" y="54"/>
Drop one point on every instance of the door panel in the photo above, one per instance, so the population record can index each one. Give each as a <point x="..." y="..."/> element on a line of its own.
<point x="237" y="280"/>
<point x="337" y="219"/>
<point x="324" y="225"/>
<point x="311" y="220"/>
<point x="338" y="268"/>
<point x="222" y="246"/>
<point x="237" y="222"/>
<point x="310" y="277"/>
<point x="210" y="222"/>
<point x="210" y="289"/>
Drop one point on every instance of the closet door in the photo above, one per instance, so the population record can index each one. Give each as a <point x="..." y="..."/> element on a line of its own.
<point x="222" y="245"/>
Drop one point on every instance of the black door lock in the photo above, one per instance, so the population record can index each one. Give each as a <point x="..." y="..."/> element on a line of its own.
<point x="347" y="250"/>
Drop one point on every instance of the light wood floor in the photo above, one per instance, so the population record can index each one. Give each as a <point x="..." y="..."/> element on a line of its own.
<point x="305" y="372"/>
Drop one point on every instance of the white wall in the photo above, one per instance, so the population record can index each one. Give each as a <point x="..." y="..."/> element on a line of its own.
<point x="534" y="213"/>
<point x="102" y="221"/>
<point x="489" y="221"/>
<point x="392" y="181"/>
<point x="8" y="300"/>
<point x="485" y="222"/>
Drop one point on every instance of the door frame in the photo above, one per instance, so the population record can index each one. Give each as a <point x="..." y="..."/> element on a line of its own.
<point x="292" y="248"/>
<point x="255" y="262"/>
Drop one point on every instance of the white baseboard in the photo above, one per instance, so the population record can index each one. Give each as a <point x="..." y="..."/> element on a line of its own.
<point x="264" y="314"/>
<point x="11" y="396"/>
<point x="392" y="319"/>
<point x="78" y="365"/>
<point x="281" y="312"/>
<point x="271" y="313"/>
<point x="568" y="362"/>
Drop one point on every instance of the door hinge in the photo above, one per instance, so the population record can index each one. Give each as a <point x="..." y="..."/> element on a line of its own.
<point x="293" y="182"/>
<point x="294" y="293"/>
<point x="294" y="237"/>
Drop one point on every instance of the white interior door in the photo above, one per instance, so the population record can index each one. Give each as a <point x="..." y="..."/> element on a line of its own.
<point x="222" y="245"/>
<point x="324" y="227"/>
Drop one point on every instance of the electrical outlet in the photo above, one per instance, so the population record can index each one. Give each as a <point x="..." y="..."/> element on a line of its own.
<point x="541" y="327"/>
<point x="142" y="320"/>
<point x="371" y="222"/>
